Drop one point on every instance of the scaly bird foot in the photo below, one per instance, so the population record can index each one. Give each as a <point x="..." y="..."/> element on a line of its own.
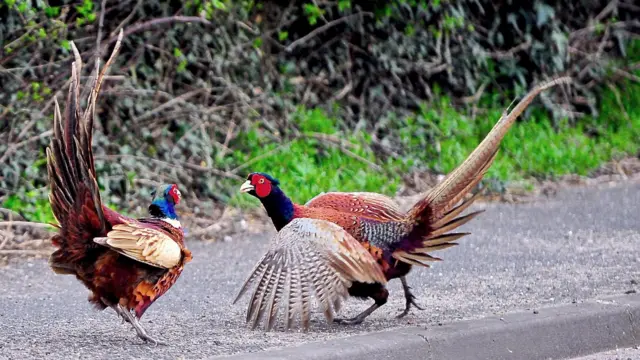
<point x="353" y="321"/>
<point x="411" y="300"/>
<point x="142" y="333"/>
<point x="409" y="297"/>
<point x="360" y="318"/>
<point x="147" y="338"/>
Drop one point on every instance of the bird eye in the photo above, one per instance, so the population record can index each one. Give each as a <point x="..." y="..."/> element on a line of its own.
<point x="261" y="181"/>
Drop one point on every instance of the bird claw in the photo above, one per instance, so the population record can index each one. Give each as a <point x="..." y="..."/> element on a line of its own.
<point x="407" y="308"/>
<point x="147" y="338"/>
<point x="142" y="333"/>
<point x="353" y="321"/>
<point x="410" y="300"/>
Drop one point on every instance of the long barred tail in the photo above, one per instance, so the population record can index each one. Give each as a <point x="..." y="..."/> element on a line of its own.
<point x="74" y="195"/>
<point x="435" y="215"/>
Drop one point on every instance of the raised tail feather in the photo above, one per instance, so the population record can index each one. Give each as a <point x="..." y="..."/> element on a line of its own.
<point x="435" y="214"/>
<point x="74" y="195"/>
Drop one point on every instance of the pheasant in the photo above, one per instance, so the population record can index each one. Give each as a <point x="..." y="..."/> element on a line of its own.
<point x="126" y="263"/>
<point x="351" y="244"/>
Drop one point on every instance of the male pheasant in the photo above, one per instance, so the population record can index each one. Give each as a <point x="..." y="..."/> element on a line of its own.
<point x="340" y="244"/>
<point x="126" y="263"/>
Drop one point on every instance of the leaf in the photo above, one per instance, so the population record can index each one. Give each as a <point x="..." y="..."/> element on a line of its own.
<point x="544" y="13"/>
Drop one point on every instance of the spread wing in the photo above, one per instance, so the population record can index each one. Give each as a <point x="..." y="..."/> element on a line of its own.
<point x="368" y="204"/>
<point x="307" y="258"/>
<point x="146" y="245"/>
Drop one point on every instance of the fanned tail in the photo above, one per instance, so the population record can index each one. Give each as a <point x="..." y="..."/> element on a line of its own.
<point x="435" y="215"/>
<point x="74" y="195"/>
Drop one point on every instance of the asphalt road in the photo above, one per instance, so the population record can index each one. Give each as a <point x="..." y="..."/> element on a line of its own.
<point x="617" y="354"/>
<point x="582" y="244"/>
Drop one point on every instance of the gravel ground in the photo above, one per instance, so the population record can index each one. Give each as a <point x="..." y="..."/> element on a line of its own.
<point x="581" y="244"/>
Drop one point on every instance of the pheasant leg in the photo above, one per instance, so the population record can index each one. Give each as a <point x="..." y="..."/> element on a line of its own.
<point x="409" y="297"/>
<point x="142" y="333"/>
<point x="375" y="291"/>
<point x="119" y="312"/>
<point x="115" y="308"/>
<point x="358" y="319"/>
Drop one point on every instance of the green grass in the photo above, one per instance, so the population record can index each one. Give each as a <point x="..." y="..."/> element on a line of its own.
<point x="532" y="148"/>
<point x="309" y="164"/>
<point x="33" y="205"/>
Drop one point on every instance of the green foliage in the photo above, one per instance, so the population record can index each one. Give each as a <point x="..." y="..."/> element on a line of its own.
<point x="33" y="205"/>
<point x="202" y="103"/>
<point x="86" y="13"/>
<point x="309" y="164"/>
<point x="313" y="12"/>
<point x="182" y="65"/>
<point x="540" y="147"/>
<point x="52" y="11"/>
<point x="344" y="5"/>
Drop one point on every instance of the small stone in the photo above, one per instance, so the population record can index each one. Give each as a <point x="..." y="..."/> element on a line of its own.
<point x="630" y="292"/>
<point x="535" y="312"/>
<point x="227" y="238"/>
<point x="633" y="282"/>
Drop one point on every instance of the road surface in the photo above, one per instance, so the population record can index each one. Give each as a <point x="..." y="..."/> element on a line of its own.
<point x="617" y="354"/>
<point x="581" y="244"/>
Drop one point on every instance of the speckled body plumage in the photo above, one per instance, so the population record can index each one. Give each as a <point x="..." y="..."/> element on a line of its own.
<point x="379" y="235"/>
<point x="377" y="224"/>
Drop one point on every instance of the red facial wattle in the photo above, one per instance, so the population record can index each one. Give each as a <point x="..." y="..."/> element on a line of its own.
<point x="175" y="194"/>
<point x="262" y="186"/>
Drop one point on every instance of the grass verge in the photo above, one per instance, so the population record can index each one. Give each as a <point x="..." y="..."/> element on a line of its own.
<point x="439" y="138"/>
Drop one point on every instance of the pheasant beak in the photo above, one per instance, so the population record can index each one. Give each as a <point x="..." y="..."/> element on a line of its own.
<point x="246" y="187"/>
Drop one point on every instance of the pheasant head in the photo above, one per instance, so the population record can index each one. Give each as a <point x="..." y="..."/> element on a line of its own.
<point x="165" y="198"/>
<point x="265" y="187"/>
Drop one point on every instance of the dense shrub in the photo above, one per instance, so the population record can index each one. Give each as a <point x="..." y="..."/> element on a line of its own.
<point x="194" y="75"/>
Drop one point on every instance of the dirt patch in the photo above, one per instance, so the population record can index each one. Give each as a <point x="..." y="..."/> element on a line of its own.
<point x="21" y="239"/>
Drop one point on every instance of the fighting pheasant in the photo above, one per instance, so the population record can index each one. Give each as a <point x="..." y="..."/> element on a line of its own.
<point x="341" y="244"/>
<point x="126" y="263"/>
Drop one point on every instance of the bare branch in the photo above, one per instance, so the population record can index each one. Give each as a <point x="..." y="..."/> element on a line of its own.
<point x="323" y="28"/>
